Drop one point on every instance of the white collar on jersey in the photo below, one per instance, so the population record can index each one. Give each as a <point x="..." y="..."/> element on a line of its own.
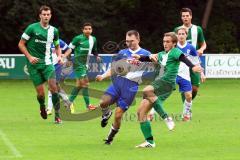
<point x="133" y="52"/>
<point x="182" y="46"/>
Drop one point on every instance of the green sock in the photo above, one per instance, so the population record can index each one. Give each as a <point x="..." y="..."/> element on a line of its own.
<point x="41" y="101"/>
<point x="56" y="103"/>
<point x="74" y="93"/>
<point x="147" y="131"/>
<point x="157" y="105"/>
<point x="183" y="97"/>
<point x="194" y="94"/>
<point x="86" y="96"/>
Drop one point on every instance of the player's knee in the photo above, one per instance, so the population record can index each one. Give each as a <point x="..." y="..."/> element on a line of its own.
<point x="194" y="89"/>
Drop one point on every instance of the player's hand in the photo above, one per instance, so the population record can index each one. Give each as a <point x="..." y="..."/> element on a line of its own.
<point x="197" y="68"/>
<point x="134" y="61"/>
<point x="203" y="77"/>
<point x="154" y="57"/>
<point x="136" y="56"/>
<point x="200" y="52"/>
<point x="99" y="78"/>
<point x="33" y="60"/>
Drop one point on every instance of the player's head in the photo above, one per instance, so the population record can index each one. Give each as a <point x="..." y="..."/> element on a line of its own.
<point x="132" y="39"/>
<point x="45" y="14"/>
<point x="186" y="16"/>
<point x="169" y="41"/>
<point x="87" y="29"/>
<point x="182" y="34"/>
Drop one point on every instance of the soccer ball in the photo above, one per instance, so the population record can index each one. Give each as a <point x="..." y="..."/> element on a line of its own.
<point x="121" y="67"/>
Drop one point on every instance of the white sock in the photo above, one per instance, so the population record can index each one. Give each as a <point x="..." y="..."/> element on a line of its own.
<point x="50" y="104"/>
<point x="187" y="107"/>
<point x="63" y="95"/>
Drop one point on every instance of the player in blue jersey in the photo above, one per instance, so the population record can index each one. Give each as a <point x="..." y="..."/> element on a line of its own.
<point x="59" y="76"/>
<point x="123" y="89"/>
<point x="183" y="78"/>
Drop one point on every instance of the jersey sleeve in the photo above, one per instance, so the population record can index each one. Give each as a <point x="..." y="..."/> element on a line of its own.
<point x="201" y="38"/>
<point x="177" y="53"/>
<point x="63" y="46"/>
<point x="193" y="51"/>
<point x="27" y="33"/>
<point x="56" y="37"/>
<point x="74" y="43"/>
<point x="95" y="45"/>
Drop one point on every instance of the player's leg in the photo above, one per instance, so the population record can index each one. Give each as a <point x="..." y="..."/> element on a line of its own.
<point x="50" y="76"/>
<point x="38" y="81"/>
<point x="55" y="98"/>
<point x="50" y="104"/>
<point x="115" y="126"/>
<point x="195" y="80"/>
<point x="80" y="73"/>
<point x="85" y="94"/>
<point x="185" y="88"/>
<point x="157" y="93"/>
<point x="187" y="106"/>
<point x="41" y="100"/>
<point x="145" y="125"/>
<point x="105" y="102"/>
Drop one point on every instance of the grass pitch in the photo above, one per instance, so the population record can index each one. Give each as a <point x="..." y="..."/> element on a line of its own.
<point x="214" y="132"/>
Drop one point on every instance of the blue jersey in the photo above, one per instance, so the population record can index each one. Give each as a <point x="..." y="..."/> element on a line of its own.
<point x="135" y="73"/>
<point x="191" y="53"/>
<point x="187" y="49"/>
<point x="64" y="48"/>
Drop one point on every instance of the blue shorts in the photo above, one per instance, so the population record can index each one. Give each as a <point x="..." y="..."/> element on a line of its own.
<point x="184" y="85"/>
<point x="58" y="71"/>
<point x="122" y="91"/>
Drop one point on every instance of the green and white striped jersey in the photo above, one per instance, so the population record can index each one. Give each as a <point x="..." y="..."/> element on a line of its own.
<point x="39" y="42"/>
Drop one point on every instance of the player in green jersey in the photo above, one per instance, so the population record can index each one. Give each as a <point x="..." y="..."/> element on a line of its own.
<point x="196" y="38"/>
<point x="35" y="44"/>
<point x="83" y="45"/>
<point x="161" y="88"/>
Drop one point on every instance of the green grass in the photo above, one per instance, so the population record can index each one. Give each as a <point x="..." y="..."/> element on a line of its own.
<point x="212" y="134"/>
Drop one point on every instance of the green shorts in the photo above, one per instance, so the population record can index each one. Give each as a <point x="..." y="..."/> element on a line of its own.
<point x="80" y="71"/>
<point x="195" y="78"/>
<point x="162" y="89"/>
<point x="40" y="74"/>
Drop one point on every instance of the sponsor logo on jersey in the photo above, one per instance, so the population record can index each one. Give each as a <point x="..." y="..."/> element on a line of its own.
<point x="40" y="41"/>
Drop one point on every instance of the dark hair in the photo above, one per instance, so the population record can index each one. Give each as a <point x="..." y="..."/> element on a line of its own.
<point x="186" y="10"/>
<point x="133" y="32"/>
<point x="172" y="35"/>
<point x="87" y="24"/>
<point x="44" y="8"/>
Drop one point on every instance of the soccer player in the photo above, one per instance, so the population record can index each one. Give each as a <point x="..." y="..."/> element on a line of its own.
<point x="59" y="76"/>
<point x="183" y="77"/>
<point x="123" y="89"/>
<point x="161" y="88"/>
<point x="35" y="44"/>
<point x="196" y="38"/>
<point x="83" y="45"/>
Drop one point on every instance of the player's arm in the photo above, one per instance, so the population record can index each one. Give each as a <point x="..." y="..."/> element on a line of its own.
<point x="105" y="75"/>
<point x="202" y="42"/>
<point x="22" y="47"/>
<point x="95" y="51"/>
<point x="148" y="58"/>
<point x="72" y="46"/>
<point x="195" y="68"/>
<point x="56" y="43"/>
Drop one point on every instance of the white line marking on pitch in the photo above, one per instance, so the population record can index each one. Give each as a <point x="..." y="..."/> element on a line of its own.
<point x="10" y="145"/>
